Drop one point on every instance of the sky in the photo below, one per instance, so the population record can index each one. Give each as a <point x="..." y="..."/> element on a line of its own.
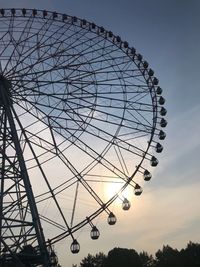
<point x="166" y="33"/>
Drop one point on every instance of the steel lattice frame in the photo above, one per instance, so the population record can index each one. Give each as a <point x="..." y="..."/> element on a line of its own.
<point x="83" y="109"/>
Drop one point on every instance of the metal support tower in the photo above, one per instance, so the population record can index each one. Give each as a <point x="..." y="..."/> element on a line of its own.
<point x="21" y="235"/>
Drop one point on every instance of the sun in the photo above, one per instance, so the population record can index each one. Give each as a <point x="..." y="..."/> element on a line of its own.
<point x="110" y="189"/>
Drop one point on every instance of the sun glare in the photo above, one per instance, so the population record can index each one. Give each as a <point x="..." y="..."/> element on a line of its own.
<point x="113" y="188"/>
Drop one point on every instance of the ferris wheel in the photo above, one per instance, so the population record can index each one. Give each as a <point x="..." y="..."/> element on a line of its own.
<point x="81" y="113"/>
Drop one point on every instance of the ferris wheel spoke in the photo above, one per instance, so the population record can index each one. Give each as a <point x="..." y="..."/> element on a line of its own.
<point x="85" y="63"/>
<point x="106" y="136"/>
<point x="93" y="154"/>
<point x="129" y="102"/>
<point x="45" y="52"/>
<point x="4" y="44"/>
<point x="103" y="134"/>
<point x="57" y="68"/>
<point x="98" y="60"/>
<point x="22" y="42"/>
<point x="106" y="114"/>
<point x="43" y="174"/>
<point x="71" y="168"/>
<point x="34" y="49"/>
<point x="53" y="222"/>
<point x="116" y="118"/>
<point x="140" y="112"/>
<point x="84" y="52"/>
<point x="59" y="53"/>
<point x="84" y="147"/>
<point x="93" y="62"/>
<point x="121" y="160"/>
<point x="107" y="117"/>
<point x="108" y="70"/>
<point x="16" y="53"/>
<point x="79" y="178"/>
<point x="42" y="72"/>
<point x="71" y="110"/>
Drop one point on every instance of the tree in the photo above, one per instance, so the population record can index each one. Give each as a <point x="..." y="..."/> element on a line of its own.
<point x="190" y="255"/>
<point x="146" y="259"/>
<point x="122" y="257"/>
<point x="167" y="257"/>
<point x="93" y="261"/>
<point x="87" y="261"/>
<point x="99" y="259"/>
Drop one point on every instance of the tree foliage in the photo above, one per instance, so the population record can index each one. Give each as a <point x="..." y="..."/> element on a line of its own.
<point x="120" y="257"/>
<point x="146" y="259"/>
<point x="165" y="257"/>
<point x="93" y="261"/>
<point x="190" y="256"/>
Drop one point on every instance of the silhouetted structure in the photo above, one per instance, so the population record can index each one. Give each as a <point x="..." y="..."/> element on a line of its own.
<point x="69" y="90"/>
